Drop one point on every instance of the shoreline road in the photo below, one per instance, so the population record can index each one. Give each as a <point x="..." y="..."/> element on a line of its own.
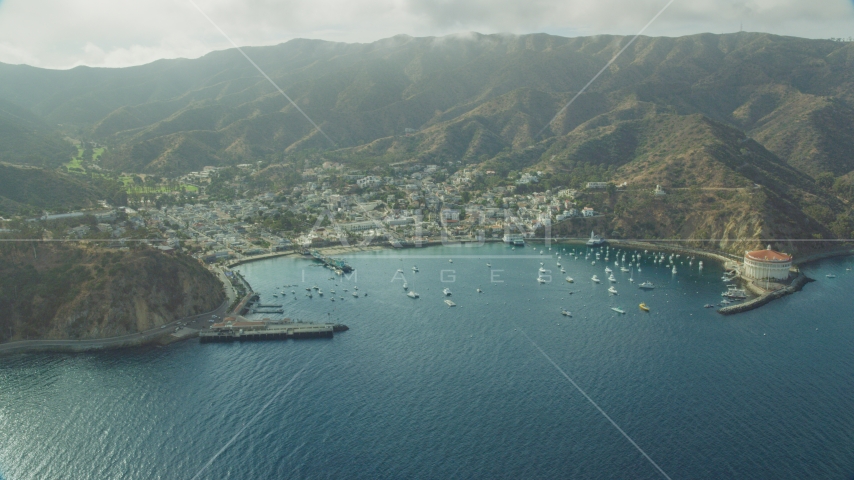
<point x="196" y="322"/>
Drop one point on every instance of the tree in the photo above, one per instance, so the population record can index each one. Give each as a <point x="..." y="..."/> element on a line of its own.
<point x="825" y="179"/>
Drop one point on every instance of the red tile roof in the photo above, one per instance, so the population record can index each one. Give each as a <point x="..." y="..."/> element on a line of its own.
<point x="769" y="255"/>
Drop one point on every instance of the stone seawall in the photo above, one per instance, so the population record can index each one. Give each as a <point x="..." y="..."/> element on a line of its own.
<point x="797" y="284"/>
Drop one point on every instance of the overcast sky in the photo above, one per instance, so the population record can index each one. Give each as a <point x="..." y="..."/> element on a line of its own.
<point x="116" y="33"/>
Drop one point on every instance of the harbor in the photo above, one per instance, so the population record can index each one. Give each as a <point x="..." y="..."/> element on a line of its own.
<point x="796" y="285"/>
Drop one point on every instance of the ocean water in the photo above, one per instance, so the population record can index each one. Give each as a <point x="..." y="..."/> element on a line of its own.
<point x="416" y="389"/>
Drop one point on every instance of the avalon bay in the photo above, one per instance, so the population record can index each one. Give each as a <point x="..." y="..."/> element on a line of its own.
<point x="416" y="389"/>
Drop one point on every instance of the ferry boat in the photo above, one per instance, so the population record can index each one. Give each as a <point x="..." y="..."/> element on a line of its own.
<point x="618" y="310"/>
<point x="447" y="292"/>
<point x="647" y="285"/>
<point x="734" y="292"/>
<point x="643" y="307"/>
<point x="595" y="240"/>
<point x="595" y="279"/>
<point x="450" y="303"/>
<point x="612" y="290"/>
<point x="412" y="294"/>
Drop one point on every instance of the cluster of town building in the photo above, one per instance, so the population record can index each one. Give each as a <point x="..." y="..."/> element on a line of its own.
<point x="418" y="203"/>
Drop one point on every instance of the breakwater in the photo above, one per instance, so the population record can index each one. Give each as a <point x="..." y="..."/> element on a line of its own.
<point x="797" y="284"/>
<point x="249" y="331"/>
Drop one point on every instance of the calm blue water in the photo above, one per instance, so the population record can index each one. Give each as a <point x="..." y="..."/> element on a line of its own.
<point x="419" y="390"/>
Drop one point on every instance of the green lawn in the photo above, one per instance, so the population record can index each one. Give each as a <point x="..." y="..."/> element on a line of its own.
<point x="75" y="165"/>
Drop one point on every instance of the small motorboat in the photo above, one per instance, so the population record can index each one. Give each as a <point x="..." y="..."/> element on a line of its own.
<point x="643" y="307"/>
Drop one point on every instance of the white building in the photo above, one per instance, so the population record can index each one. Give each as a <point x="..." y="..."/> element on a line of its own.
<point x="587" y="212"/>
<point x="766" y="265"/>
<point x="451" y="215"/>
<point x="398" y="220"/>
<point x="597" y="184"/>
<point x="358" y="226"/>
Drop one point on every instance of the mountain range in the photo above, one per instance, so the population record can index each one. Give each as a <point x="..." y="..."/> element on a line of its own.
<point x="706" y="111"/>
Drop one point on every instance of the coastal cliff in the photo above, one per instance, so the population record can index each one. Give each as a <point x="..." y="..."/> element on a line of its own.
<point x="74" y="291"/>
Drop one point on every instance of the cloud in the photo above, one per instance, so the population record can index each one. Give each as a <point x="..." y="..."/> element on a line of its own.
<point x="65" y="33"/>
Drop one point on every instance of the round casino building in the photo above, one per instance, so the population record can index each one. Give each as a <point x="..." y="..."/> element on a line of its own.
<point x="766" y="265"/>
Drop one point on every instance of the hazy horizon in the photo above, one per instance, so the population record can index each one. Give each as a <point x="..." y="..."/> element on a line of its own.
<point x="96" y="33"/>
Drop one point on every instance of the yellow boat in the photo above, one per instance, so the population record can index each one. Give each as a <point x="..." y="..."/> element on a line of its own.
<point x="643" y="307"/>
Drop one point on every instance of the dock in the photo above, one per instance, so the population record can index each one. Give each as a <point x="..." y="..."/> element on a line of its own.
<point x="233" y="329"/>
